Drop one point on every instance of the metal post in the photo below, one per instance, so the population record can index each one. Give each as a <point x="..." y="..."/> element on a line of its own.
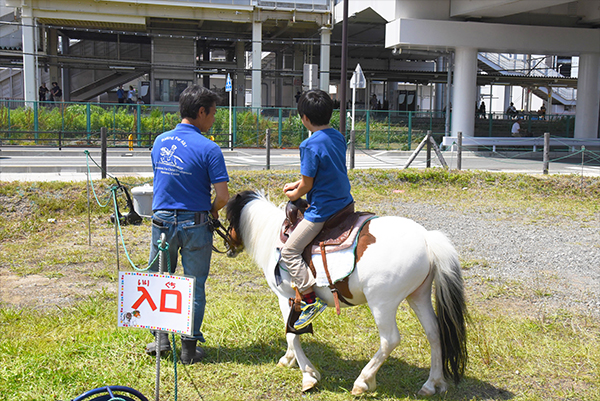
<point x="88" y="207"/>
<point x="546" y="152"/>
<point x="268" y="145"/>
<point x="368" y="132"/>
<point x="351" y="149"/>
<point x="88" y="119"/>
<point x="409" y="130"/>
<point x="344" y="66"/>
<point x="448" y="94"/>
<point x="138" y="120"/>
<point x="36" y="117"/>
<point x="428" y="149"/>
<point x="103" y="132"/>
<point x="582" y="164"/>
<point x="459" y="152"/>
<point x="161" y="269"/>
<point x="117" y="234"/>
<point x="280" y="127"/>
<point x="230" y="113"/>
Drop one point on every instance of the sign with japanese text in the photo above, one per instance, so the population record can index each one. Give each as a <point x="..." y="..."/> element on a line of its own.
<point x="156" y="301"/>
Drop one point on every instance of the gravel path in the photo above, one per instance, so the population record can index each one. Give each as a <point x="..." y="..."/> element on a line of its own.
<point x="557" y="261"/>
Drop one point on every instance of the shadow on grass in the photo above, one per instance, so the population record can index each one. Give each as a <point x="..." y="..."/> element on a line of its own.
<point x="395" y="379"/>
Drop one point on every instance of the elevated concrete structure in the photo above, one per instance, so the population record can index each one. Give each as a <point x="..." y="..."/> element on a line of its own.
<point x="395" y="41"/>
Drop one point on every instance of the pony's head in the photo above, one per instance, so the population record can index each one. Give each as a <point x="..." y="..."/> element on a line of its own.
<point x="234" y="213"/>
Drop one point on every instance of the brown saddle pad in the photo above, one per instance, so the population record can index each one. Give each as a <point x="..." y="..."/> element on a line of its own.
<point x="339" y="231"/>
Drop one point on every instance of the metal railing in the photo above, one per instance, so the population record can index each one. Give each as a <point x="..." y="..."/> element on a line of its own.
<point x="78" y="124"/>
<point x="518" y="66"/>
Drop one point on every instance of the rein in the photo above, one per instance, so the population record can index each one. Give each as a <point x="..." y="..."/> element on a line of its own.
<point x="217" y="227"/>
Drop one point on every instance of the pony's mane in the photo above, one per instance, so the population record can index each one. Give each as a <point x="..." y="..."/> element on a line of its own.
<point x="236" y="205"/>
<point x="257" y="221"/>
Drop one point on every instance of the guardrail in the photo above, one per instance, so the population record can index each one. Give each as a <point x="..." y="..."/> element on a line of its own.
<point x="570" y="144"/>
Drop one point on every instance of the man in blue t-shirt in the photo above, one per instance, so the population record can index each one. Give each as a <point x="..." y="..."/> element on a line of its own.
<point x="325" y="182"/>
<point x="120" y="94"/>
<point x="186" y="165"/>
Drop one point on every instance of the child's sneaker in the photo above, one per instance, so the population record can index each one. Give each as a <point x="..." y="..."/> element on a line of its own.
<point x="309" y="313"/>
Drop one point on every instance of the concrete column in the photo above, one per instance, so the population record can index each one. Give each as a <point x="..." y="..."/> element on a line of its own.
<point x="588" y="96"/>
<point x="240" y="76"/>
<point x="325" y="58"/>
<point x="66" y="72"/>
<point x="256" y="63"/>
<point x="278" y="81"/>
<point x="507" y="97"/>
<point x="298" y="68"/>
<point x="28" y="55"/>
<point x="439" y="88"/>
<point x="464" y="95"/>
<point x="205" y="60"/>
<point x="52" y="52"/>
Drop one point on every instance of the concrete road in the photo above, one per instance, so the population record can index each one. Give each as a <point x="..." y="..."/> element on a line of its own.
<point x="71" y="164"/>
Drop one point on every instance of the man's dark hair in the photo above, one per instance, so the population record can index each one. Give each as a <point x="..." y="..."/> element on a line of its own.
<point x="316" y="105"/>
<point x="193" y="98"/>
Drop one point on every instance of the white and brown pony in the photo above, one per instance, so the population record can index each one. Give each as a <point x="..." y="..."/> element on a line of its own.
<point x="401" y="261"/>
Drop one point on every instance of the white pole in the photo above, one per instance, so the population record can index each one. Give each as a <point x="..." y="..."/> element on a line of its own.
<point x="230" y="132"/>
<point x="353" y="104"/>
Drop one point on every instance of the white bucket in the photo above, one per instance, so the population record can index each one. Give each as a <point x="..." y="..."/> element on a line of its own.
<point x="142" y="200"/>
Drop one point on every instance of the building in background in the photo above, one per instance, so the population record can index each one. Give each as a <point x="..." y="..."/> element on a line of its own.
<point x="416" y="55"/>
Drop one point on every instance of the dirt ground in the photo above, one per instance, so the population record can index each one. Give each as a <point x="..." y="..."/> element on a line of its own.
<point x="42" y="292"/>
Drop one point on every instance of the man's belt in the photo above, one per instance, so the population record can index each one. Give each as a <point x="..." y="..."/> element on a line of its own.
<point x="199" y="217"/>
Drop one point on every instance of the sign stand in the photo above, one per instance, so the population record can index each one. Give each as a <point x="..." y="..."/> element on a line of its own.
<point x="158" y="301"/>
<point x="429" y="141"/>
<point x="161" y="270"/>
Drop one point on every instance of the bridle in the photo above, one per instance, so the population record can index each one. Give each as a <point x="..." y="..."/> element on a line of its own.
<point x="232" y="247"/>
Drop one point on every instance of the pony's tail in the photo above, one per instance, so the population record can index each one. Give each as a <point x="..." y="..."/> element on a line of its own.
<point x="450" y="304"/>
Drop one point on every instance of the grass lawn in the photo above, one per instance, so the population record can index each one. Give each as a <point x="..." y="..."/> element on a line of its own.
<point x="58" y="311"/>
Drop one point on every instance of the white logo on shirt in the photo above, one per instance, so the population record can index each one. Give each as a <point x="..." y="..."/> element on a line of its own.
<point x="167" y="157"/>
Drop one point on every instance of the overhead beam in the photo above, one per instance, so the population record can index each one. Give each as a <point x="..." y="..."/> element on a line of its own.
<point x="498" y="8"/>
<point x="121" y="11"/>
<point x="499" y="38"/>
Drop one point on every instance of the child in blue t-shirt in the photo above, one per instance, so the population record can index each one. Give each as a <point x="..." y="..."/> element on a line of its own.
<point x="327" y="188"/>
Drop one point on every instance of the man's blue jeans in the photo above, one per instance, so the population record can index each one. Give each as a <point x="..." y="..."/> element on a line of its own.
<point x="194" y="242"/>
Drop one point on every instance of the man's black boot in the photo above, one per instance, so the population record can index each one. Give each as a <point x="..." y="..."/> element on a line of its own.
<point x="190" y="353"/>
<point x="165" y="345"/>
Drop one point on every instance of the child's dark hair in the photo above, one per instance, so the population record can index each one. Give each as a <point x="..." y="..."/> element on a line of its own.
<point x="193" y="98"/>
<point x="316" y="105"/>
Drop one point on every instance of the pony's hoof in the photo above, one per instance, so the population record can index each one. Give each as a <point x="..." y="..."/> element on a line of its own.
<point x="426" y="392"/>
<point x="362" y="386"/>
<point x="358" y="390"/>
<point x="430" y="389"/>
<point x="309" y="385"/>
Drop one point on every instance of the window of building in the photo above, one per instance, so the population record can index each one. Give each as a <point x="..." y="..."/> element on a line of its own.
<point x="168" y="90"/>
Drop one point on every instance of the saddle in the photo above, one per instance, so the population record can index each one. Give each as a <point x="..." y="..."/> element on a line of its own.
<point x="339" y="232"/>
